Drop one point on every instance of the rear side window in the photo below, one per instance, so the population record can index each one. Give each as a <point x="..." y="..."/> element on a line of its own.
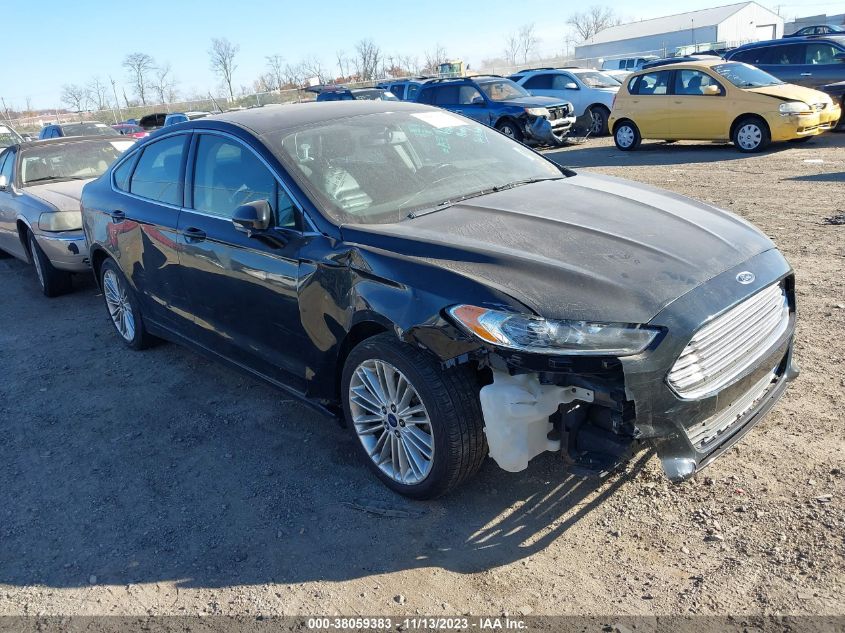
<point x="446" y="95"/>
<point x="783" y="55"/>
<point x="398" y="90"/>
<point x="539" y="82"/>
<point x="656" y="83"/>
<point x="122" y="173"/>
<point x="158" y="174"/>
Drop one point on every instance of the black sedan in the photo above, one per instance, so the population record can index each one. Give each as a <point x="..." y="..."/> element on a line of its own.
<point x="446" y="291"/>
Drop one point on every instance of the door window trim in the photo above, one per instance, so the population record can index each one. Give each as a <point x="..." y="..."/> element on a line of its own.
<point x="136" y="155"/>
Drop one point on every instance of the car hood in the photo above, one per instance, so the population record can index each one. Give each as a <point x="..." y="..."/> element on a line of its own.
<point x="588" y="247"/>
<point x="64" y="196"/>
<point x="533" y="102"/>
<point x="791" y="92"/>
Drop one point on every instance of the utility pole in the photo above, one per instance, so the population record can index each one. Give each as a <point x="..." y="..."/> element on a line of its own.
<point x="116" y="100"/>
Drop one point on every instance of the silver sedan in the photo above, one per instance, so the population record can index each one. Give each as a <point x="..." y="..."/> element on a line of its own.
<point x="40" y="187"/>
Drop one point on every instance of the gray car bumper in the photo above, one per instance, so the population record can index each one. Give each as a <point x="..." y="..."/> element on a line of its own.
<point x="66" y="251"/>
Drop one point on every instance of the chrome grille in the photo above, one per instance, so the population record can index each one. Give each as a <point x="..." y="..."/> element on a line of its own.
<point x="731" y="343"/>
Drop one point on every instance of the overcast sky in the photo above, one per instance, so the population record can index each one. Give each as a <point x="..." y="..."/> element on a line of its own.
<point x="49" y="43"/>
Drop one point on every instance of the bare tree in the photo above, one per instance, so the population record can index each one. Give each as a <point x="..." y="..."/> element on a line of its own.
<point x="367" y="60"/>
<point x="275" y="76"/>
<point x="139" y="65"/>
<point x="76" y="97"/>
<point x="98" y="93"/>
<point x="164" y="84"/>
<point x="590" y="22"/>
<point x="29" y="106"/>
<point x="313" y="67"/>
<point x="528" y="41"/>
<point x="293" y="74"/>
<point x="222" y="53"/>
<point x="433" y="59"/>
<point x="342" y="64"/>
<point x="512" y="49"/>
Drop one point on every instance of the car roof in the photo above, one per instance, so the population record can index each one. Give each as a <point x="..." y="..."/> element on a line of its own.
<point x="838" y="39"/>
<point x="267" y="120"/>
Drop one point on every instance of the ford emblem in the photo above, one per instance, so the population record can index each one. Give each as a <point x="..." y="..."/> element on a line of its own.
<point x="745" y="277"/>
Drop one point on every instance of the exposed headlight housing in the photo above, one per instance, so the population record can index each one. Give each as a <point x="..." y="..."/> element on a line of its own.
<point x="793" y="107"/>
<point x="529" y="333"/>
<point x="60" y="221"/>
<point x="537" y="112"/>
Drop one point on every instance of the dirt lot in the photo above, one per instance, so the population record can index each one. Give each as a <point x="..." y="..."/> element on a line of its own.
<point x="160" y="483"/>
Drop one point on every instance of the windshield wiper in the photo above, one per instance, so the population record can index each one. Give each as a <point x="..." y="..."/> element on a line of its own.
<point x="477" y="194"/>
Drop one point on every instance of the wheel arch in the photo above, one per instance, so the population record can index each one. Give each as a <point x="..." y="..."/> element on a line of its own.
<point x="24" y="229"/>
<point x="97" y="255"/>
<point x="616" y="124"/>
<point x="358" y="333"/>
<point x="748" y="115"/>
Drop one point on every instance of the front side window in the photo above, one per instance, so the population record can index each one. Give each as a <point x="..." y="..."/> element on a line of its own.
<point x="8" y="167"/>
<point x="561" y="81"/>
<point x="597" y="79"/>
<point x="820" y="53"/>
<point x="228" y="175"/>
<point x="469" y="95"/>
<point x="694" y="82"/>
<point x="379" y="168"/>
<point x="656" y="83"/>
<point x="158" y="173"/>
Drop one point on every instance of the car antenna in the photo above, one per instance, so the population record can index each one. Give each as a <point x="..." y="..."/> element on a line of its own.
<point x="214" y="101"/>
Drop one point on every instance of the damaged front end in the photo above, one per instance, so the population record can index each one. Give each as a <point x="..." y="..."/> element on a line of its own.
<point x="548" y="126"/>
<point x="692" y="392"/>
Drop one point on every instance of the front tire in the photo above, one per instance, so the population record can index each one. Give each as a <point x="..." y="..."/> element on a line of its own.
<point x="53" y="282"/>
<point x="626" y="135"/>
<point x="751" y="135"/>
<point x="598" y="120"/>
<point x="510" y="129"/>
<point x="419" y="427"/>
<point x="122" y="307"/>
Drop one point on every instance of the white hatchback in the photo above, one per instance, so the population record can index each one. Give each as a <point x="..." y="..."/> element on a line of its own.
<point x="591" y="92"/>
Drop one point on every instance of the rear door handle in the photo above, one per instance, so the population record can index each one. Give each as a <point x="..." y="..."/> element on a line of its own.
<point x="117" y="216"/>
<point x="806" y="74"/>
<point x="193" y="234"/>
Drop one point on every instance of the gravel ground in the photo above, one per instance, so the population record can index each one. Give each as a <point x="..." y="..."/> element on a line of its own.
<point x="160" y="483"/>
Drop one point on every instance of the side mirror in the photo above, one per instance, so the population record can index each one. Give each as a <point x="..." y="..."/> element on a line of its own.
<point x="477" y="101"/>
<point x="253" y="216"/>
<point x="570" y="85"/>
<point x="712" y="90"/>
<point x="4" y="183"/>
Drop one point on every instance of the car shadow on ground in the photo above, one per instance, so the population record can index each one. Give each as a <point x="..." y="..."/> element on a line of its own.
<point x="122" y="467"/>
<point x="837" y="176"/>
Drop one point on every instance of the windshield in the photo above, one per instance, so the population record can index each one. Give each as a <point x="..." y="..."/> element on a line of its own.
<point x="383" y="168"/>
<point x="502" y="90"/>
<point x="374" y="95"/>
<point x="745" y="76"/>
<point x="8" y="137"/>
<point x="69" y="161"/>
<point x="596" y="79"/>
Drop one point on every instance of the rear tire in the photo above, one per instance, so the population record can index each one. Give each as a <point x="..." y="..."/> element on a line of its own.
<point x="53" y="282"/>
<point x="751" y="135"/>
<point x="439" y="427"/>
<point x="510" y="129"/>
<point x="598" y="120"/>
<point x="626" y="135"/>
<point x="122" y="307"/>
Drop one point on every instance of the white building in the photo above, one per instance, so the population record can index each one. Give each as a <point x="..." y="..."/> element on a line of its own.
<point x="718" y="27"/>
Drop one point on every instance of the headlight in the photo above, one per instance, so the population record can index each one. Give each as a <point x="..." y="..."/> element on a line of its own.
<point x="60" y="221"/>
<point x="533" y="334"/>
<point x="793" y="107"/>
<point x="537" y="112"/>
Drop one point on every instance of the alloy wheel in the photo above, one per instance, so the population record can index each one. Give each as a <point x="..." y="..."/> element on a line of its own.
<point x="120" y="309"/>
<point x="391" y="421"/>
<point x="749" y="136"/>
<point x="508" y="131"/>
<point x="597" y="122"/>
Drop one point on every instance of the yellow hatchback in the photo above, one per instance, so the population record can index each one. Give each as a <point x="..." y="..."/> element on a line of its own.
<point x="715" y="100"/>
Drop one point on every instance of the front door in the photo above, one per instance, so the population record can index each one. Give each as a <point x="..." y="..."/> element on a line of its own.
<point x="698" y="107"/>
<point x="242" y="289"/>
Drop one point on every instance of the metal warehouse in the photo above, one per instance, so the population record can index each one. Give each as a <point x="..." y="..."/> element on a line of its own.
<point x="717" y="27"/>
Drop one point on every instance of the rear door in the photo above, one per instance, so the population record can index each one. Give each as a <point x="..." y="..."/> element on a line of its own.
<point x="649" y="104"/>
<point x="242" y="289"/>
<point x="144" y="223"/>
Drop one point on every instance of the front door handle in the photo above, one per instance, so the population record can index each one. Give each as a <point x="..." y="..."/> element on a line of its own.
<point x="806" y="74"/>
<point x="117" y="216"/>
<point x="193" y="234"/>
